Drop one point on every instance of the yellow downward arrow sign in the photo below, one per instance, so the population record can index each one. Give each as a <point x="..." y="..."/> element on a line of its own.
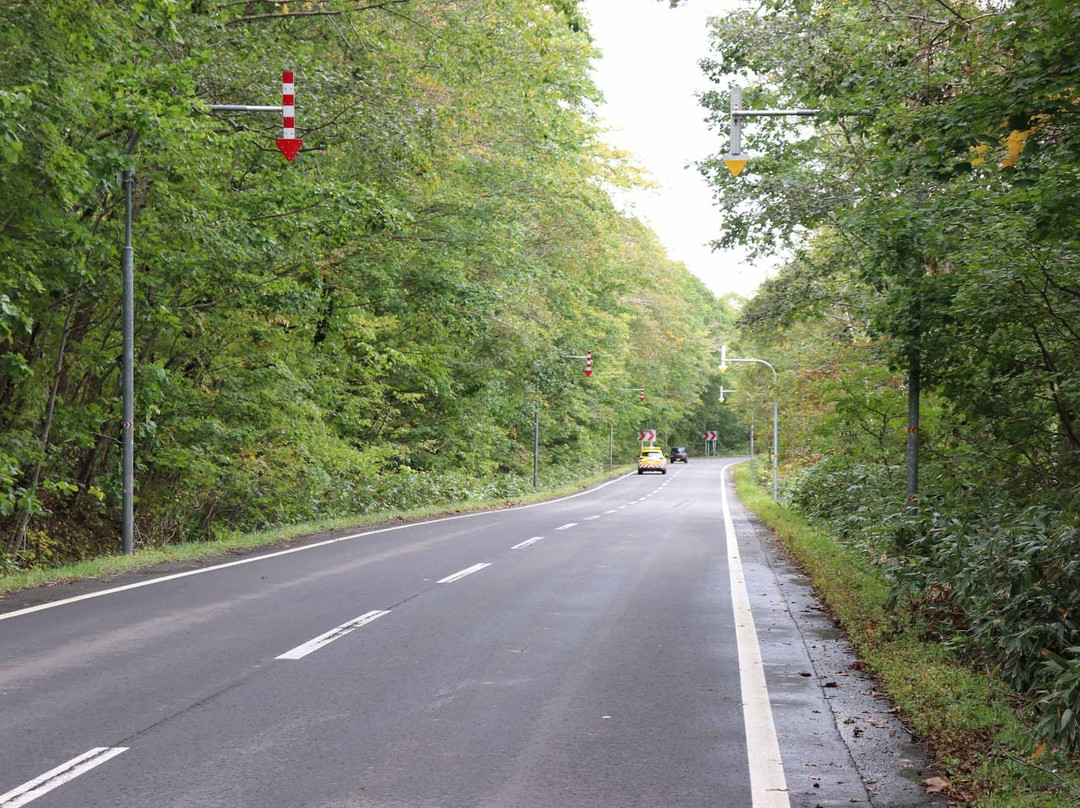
<point x="735" y="164"/>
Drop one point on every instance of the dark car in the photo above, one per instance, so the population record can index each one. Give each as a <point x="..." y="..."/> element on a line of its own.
<point x="678" y="455"/>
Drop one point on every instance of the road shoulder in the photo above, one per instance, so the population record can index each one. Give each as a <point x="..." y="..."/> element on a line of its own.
<point x="860" y="754"/>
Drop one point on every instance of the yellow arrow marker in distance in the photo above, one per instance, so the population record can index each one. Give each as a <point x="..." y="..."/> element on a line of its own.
<point x="735" y="163"/>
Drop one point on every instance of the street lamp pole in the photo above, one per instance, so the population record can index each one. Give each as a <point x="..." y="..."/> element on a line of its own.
<point x="775" y="412"/>
<point x="775" y="448"/>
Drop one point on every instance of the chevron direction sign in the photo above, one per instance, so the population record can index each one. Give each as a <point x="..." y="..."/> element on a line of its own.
<point x="646" y="435"/>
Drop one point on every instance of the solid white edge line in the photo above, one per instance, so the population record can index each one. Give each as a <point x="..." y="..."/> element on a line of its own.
<point x="567" y="526"/>
<point x="177" y="575"/>
<point x="527" y="542"/>
<point x="32" y="789"/>
<point x="301" y="651"/>
<point x="768" y="786"/>
<point x="449" y="579"/>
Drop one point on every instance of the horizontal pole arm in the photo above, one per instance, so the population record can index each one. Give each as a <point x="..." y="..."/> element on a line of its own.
<point x="775" y="113"/>
<point x="760" y="362"/>
<point x="242" y="108"/>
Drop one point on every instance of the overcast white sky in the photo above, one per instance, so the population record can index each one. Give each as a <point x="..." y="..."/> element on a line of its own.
<point x="649" y="75"/>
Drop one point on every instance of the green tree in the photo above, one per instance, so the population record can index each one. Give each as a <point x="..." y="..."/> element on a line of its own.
<point x="368" y="326"/>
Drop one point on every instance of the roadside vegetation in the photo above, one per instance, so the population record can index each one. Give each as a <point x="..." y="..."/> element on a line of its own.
<point x="928" y="222"/>
<point x="370" y="327"/>
<point x="104" y="567"/>
<point x="979" y="732"/>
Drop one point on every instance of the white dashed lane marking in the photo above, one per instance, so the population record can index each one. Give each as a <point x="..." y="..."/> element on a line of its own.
<point x="527" y="542"/>
<point x="462" y="573"/>
<point x="567" y="526"/>
<point x="32" y="789"/>
<point x="304" y="548"/>
<point x="301" y="651"/>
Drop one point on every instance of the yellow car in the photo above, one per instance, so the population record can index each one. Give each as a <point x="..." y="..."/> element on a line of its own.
<point x="651" y="459"/>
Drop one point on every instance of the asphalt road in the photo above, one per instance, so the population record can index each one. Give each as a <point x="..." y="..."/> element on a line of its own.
<point x="585" y="652"/>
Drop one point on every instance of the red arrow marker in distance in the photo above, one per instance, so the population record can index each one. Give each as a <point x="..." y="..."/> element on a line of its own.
<point x="288" y="144"/>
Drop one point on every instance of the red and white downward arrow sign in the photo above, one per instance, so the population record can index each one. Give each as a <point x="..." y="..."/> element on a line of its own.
<point x="288" y="144"/>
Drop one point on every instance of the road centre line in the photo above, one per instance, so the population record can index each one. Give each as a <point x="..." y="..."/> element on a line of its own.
<point x="567" y="526"/>
<point x="32" y="789"/>
<point x="301" y="651"/>
<point x="768" y="786"/>
<point x="527" y="542"/>
<point x="590" y="518"/>
<point x="462" y="573"/>
<point x="611" y="511"/>
<point x="277" y="553"/>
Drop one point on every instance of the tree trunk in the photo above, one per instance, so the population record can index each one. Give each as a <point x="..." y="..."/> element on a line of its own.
<point x="914" y="382"/>
<point x="18" y="538"/>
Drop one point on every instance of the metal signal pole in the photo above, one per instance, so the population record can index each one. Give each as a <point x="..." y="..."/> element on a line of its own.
<point x="736" y="159"/>
<point x="536" y="444"/>
<point x="536" y="415"/>
<point x="288" y="145"/>
<point x="127" y="425"/>
<point x="610" y="446"/>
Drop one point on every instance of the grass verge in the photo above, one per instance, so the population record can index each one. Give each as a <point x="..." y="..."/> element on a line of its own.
<point x="977" y="728"/>
<point x="106" y="566"/>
